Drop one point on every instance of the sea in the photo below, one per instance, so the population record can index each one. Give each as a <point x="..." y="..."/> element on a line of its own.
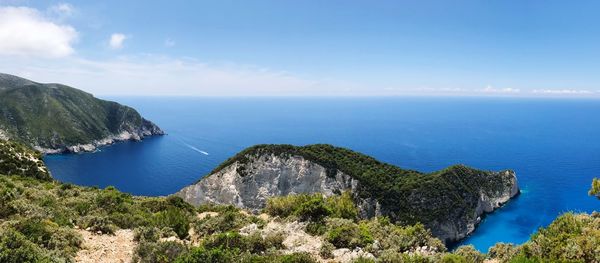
<point x="553" y="145"/>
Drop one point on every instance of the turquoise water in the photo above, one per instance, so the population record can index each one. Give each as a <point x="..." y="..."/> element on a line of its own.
<point x="553" y="145"/>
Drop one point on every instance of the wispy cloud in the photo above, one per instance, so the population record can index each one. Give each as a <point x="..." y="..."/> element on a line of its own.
<point x="27" y="32"/>
<point x="116" y="40"/>
<point x="563" y="91"/>
<point x="490" y="89"/>
<point x="157" y="75"/>
<point x="62" y="10"/>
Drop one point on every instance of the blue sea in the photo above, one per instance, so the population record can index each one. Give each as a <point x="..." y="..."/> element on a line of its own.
<point x="552" y="144"/>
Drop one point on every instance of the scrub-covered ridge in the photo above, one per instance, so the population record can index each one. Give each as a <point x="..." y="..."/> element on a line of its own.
<point x="55" y="118"/>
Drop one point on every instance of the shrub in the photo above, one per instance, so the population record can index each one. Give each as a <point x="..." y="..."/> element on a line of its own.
<point x="97" y="223"/>
<point x="227" y="240"/>
<point x="452" y="258"/>
<point x="111" y="200"/>
<point x="363" y="260"/>
<point x="342" y="206"/>
<point x="201" y="254"/>
<point x="296" y="258"/>
<point x="571" y="237"/>
<point x="502" y="252"/>
<point x="15" y="248"/>
<point x="285" y="206"/>
<point x="313" y="209"/>
<point x="148" y="234"/>
<point x="470" y="254"/>
<point x="158" y="252"/>
<point x="326" y="250"/>
<point x="344" y="233"/>
<point x="175" y="219"/>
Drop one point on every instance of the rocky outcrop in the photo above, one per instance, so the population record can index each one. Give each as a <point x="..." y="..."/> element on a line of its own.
<point x="248" y="183"/>
<point x="148" y="129"/>
<point x="16" y="159"/>
<point x="268" y="176"/>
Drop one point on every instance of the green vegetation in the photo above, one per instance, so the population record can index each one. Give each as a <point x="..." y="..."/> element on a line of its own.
<point x="595" y="190"/>
<point x="54" y="116"/>
<point x="17" y="159"/>
<point x="40" y="218"/>
<point x="412" y="196"/>
<point x="44" y="213"/>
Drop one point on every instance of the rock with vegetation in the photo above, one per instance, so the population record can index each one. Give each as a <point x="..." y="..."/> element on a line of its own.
<point x="595" y="189"/>
<point x="17" y="159"/>
<point x="450" y="202"/>
<point x="54" y="118"/>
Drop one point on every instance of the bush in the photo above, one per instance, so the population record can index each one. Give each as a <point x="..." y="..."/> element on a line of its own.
<point x="326" y="250"/>
<point x="452" y="258"/>
<point x="312" y="207"/>
<point x="229" y="220"/>
<point x="363" y="260"/>
<point x="111" y="200"/>
<point x="201" y="254"/>
<point x="571" y="237"/>
<point x="148" y="234"/>
<point x="285" y="206"/>
<point x="502" y="252"/>
<point x="15" y="248"/>
<point x="344" y="233"/>
<point x="158" y="252"/>
<point x="296" y="258"/>
<point x="175" y="219"/>
<point x="342" y="206"/>
<point x="96" y="223"/>
<point x="470" y="254"/>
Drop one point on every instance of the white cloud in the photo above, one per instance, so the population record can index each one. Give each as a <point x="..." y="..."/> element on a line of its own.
<point x="164" y="76"/>
<point x="62" y="10"/>
<point x="563" y="91"/>
<point x="116" y="40"/>
<point x="26" y="32"/>
<point x="169" y="42"/>
<point x="490" y="89"/>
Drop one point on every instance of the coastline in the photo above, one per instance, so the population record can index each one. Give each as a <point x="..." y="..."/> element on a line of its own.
<point x="92" y="147"/>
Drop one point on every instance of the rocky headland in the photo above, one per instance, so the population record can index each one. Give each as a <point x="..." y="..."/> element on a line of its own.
<point x="450" y="202"/>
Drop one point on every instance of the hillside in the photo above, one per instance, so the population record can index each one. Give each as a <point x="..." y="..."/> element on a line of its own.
<point x="17" y="159"/>
<point x="55" y="118"/>
<point x="42" y="220"/>
<point x="450" y="202"/>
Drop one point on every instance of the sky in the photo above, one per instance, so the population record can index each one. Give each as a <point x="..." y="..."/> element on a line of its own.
<point x="306" y="48"/>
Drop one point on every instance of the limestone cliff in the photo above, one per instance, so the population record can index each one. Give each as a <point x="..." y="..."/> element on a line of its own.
<point x="450" y="202"/>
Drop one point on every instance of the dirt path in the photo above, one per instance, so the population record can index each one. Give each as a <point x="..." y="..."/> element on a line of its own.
<point x="116" y="248"/>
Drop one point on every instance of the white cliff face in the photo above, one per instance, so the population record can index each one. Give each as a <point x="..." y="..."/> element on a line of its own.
<point x="270" y="176"/>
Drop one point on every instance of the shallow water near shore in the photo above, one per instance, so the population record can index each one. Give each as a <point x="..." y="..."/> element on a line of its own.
<point x="552" y="144"/>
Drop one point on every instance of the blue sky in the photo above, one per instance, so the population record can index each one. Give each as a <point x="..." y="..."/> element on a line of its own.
<point x="320" y="48"/>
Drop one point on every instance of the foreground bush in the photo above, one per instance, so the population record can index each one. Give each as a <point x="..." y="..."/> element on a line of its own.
<point x="313" y="207"/>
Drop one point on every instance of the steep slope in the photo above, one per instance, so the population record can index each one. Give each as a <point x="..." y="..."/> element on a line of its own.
<point x="16" y="159"/>
<point x="56" y="118"/>
<point x="449" y="202"/>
